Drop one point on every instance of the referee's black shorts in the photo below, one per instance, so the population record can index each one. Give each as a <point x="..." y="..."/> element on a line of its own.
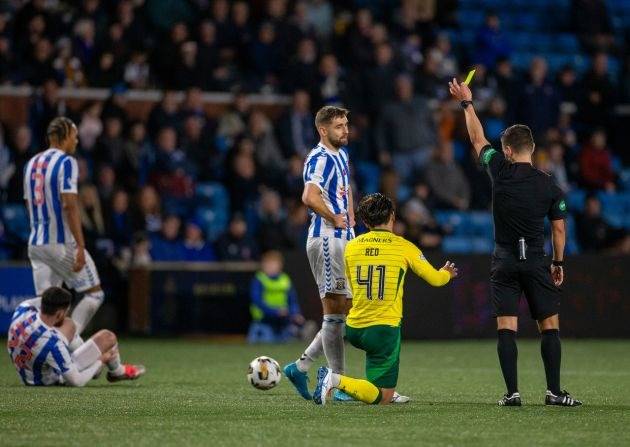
<point x="511" y="278"/>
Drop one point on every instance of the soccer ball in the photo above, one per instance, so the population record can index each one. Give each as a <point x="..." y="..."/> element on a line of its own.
<point x="264" y="373"/>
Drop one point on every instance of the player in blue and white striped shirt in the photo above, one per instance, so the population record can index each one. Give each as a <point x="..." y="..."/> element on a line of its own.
<point x="328" y="195"/>
<point x="38" y="345"/>
<point x="56" y="246"/>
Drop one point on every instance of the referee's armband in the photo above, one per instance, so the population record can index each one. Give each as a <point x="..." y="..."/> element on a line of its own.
<point x="486" y="154"/>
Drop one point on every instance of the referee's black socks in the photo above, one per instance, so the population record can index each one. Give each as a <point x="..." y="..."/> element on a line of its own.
<point x="551" y="352"/>
<point x="508" y="356"/>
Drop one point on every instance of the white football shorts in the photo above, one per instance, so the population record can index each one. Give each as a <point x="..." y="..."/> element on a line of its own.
<point x="52" y="265"/>
<point x="326" y="257"/>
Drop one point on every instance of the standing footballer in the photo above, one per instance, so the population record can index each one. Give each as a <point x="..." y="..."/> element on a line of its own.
<point x="56" y="246"/>
<point x="327" y="194"/>
<point x="522" y="196"/>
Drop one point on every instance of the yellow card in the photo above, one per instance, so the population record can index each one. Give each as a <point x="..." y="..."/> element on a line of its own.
<point x="471" y="73"/>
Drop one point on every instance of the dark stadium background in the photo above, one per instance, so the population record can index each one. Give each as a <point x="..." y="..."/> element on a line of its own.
<point x="194" y="117"/>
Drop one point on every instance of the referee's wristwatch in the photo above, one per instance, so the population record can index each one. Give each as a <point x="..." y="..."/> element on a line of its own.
<point x="465" y="103"/>
<point x="557" y="263"/>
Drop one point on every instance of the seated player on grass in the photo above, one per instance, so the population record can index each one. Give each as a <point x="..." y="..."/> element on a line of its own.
<point x="46" y="350"/>
<point x="376" y="263"/>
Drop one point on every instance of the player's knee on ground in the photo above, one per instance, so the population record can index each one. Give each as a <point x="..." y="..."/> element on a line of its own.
<point x="105" y="340"/>
<point x="386" y="395"/>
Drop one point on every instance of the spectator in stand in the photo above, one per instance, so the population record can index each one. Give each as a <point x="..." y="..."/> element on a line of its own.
<point x="591" y="23"/>
<point x="332" y="86"/>
<point x="568" y="88"/>
<point x="494" y="120"/>
<point x="199" y="148"/>
<point x="556" y="166"/>
<point x="236" y="244"/>
<point x="595" y="234"/>
<point x="166" y="245"/>
<point x="428" y="81"/>
<point x="106" y="182"/>
<point x="166" y="113"/>
<point x="302" y="72"/>
<point x="272" y="223"/>
<point x="421" y="228"/>
<point x="538" y="105"/>
<point x="233" y="122"/>
<point x="358" y="44"/>
<point x="43" y="109"/>
<point x="118" y="223"/>
<point x="596" y="163"/>
<point x="379" y="80"/>
<point x="448" y="66"/>
<point x="172" y="173"/>
<point x="196" y="249"/>
<point x="148" y="213"/>
<point x="320" y="16"/>
<point x="492" y="42"/>
<point x="22" y="151"/>
<point x="137" y="72"/>
<point x="446" y="180"/>
<point x="405" y="132"/>
<point x="267" y="150"/>
<point x="92" y="219"/>
<point x="296" y="129"/>
<point x="507" y="85"/>
<point x="91" y="126"/>
<point x="265" y="55"/>
<point x="242" y="182"/>
<point x="110" y="148"/>
<point x="598" y="94"/>
<point x="186" y="72"/>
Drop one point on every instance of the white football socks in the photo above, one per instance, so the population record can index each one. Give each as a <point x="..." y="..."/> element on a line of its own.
<point x="114" y="365"/>
<point x="87" y="307"/>
<point x="311" y="353"/>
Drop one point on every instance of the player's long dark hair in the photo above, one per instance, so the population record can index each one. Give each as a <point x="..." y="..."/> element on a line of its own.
<point x="375" y="209"/>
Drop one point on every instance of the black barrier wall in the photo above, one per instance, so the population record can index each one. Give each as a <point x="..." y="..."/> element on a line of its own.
<point x="177" y="298"/>
<point x="595" y="299"/>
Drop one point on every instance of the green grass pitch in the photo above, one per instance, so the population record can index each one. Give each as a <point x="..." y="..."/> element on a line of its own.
<point x="195" y="393"/>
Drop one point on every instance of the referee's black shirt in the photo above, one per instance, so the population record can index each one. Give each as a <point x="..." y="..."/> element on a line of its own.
<point x="521" y="198"/>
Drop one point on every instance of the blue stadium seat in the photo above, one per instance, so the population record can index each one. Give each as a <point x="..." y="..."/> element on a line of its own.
<point x="16" y="223"/>
<point x="457" y="244"/>
<point x="616" y="208"/>
<point x="212" y="194"/>
<point x="368" y="175"/>
<point x="566" y="43"/>
<point x="213" y="221"/>
<point x="575" y="199"/>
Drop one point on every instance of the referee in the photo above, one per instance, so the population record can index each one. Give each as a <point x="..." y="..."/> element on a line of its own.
<point x="522" y="196"/>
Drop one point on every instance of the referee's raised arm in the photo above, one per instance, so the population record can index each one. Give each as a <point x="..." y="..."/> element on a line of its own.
<point x="462" y="93"/>
<point x="522" y="198"/>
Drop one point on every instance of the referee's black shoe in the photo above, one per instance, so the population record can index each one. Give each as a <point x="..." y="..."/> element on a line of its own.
<point x="564" y="399"/>
<point x="510" y="400"/>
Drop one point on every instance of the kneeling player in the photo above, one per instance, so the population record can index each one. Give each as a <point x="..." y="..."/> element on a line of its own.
<point x="376" y="263"/>
<point x="39" y="339"/>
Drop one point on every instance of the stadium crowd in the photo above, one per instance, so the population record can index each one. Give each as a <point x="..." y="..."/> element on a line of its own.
<point x="142" y="182"/>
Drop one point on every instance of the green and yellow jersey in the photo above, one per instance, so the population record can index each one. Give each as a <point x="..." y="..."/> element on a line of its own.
<point x="376" y="263"/>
